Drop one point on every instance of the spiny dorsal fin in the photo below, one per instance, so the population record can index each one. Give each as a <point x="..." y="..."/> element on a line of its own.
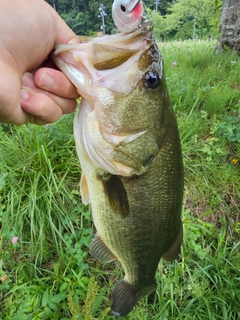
<point x="115" y="193"/>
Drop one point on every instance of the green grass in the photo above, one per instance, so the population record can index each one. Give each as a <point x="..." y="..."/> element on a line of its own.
<point x="46" y="274"/>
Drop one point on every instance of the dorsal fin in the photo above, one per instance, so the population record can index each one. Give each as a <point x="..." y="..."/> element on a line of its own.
<point x="115" y="193"/>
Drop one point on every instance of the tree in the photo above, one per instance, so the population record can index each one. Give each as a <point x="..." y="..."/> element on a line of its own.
<point x="159" y="24"/>
<point x="179" y="19"/>
<point x="189" y="19"/>
<point x="230" y="25"/>
<point x="82" y="16"/>
<point x="163" y="5"/>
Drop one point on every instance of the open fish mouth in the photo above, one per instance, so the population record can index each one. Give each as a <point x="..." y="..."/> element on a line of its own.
<point x="94" y="60"/>
<point x="103" y="70"/>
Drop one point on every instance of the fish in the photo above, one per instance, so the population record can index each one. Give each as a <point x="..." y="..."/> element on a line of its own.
<point x="129" y="148"/>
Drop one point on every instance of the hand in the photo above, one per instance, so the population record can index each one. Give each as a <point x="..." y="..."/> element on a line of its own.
<point x="31" y="90"/>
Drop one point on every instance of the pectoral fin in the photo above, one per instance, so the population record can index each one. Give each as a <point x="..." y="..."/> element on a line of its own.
<point x="100" y="251"/>
<point x="116" y="194"/>
<point x="84" y="189"/>
<point x="175" y="248"/>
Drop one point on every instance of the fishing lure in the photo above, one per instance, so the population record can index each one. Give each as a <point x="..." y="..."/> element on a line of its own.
<point x="127" y="14"/>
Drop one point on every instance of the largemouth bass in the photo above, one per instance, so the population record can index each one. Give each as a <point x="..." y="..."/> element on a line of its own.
<point x="129" y="149"/>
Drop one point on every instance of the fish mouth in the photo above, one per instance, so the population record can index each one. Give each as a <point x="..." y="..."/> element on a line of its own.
<point x="97" y="61"/>
<point x="133" y="6"/>
<point x="104" y="69"/>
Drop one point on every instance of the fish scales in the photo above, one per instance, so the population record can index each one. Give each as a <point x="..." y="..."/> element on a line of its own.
<point x="129" y="149"/>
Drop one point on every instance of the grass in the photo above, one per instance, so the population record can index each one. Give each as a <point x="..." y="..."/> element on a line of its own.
<point x="49" y="274"/>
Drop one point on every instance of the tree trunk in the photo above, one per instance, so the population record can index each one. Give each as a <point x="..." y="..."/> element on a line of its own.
<point x="230" y="25"/>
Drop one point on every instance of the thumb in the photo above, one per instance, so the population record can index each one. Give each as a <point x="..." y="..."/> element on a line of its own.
<point x="64" y="34"/>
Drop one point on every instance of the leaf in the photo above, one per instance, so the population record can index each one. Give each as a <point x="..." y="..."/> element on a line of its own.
<point x="45" y="298"/>
<point x="85" y="280"/>
<point x="58" y="297"/>
<point x="53" y="306"/>
<point x="97" y="302"/>
<point x="20" y="316"/>
<point x="63" y="287"/>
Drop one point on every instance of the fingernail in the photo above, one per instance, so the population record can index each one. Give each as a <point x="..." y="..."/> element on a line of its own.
<point x="24" y="95"/>
<point x="27" y="80"/>
<point x="46" y="81"/>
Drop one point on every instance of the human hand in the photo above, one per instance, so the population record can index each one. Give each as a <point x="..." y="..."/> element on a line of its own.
<point x="31" y="90"/>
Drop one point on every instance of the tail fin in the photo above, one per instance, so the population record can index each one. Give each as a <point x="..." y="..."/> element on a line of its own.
<point x="125" y="296"/>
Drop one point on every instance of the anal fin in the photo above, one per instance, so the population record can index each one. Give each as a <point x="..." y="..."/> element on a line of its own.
<point x="175" y="248"/>
<point x="100" y="251"/>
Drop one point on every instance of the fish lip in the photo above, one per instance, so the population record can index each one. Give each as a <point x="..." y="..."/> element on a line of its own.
<point x="133" y="6"/>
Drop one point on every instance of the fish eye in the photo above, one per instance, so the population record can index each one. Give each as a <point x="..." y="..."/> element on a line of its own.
<point x="123" y="8"/>
<point x="152" y="80"/>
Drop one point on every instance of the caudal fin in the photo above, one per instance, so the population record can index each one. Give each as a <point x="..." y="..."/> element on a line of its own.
<point x="125" y="296"/>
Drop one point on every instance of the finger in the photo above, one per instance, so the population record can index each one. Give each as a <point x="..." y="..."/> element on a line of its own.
<point x="55" y="82"/>
<point x="41" y="109"/>
<point x="28" y="80"/>
<point x="67" y="105"/>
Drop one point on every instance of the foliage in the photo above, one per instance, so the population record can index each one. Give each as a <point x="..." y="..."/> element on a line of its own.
<point x="82" y="15"/>
<point x="229" y="128"/>
<point x="181" y="19"/>
<point x="159" y="24"/>
<point x="163" y="5"/>
<point x="216" y="7"/>
<point x="47" y="273"/>
<point x="192" y="19"/>
<point x="92" y="303"/>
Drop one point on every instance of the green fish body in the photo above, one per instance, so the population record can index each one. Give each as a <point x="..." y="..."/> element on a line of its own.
<point x="129" y="149"/>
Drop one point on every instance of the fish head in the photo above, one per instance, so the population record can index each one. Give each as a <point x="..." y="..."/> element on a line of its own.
<point x="120" y="78"/>
<point x="130" y="95"/>
<point x="92" y="61"/>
